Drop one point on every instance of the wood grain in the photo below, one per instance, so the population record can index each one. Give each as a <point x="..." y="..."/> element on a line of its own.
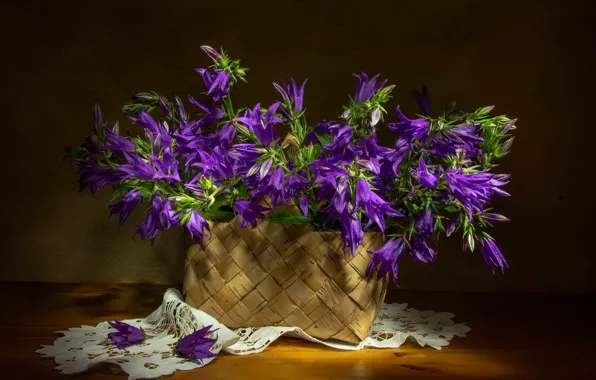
<point x="528" y="336"/>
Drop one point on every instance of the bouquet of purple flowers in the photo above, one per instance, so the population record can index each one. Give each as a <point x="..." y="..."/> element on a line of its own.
<point x="436" y="179"/>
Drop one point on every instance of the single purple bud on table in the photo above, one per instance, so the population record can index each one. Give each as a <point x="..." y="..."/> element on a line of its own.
<point x="126" y="335"/>
<point x="198" y="344"/>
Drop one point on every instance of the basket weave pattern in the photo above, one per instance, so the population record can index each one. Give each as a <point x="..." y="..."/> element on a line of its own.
<point x="287" y="275"/>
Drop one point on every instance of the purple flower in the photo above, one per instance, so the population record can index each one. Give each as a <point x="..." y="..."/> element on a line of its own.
<point x="167" y="167"/>
<point x="295" y="185"/>
<point x="421" y="251"/>
<point x="292" y="94"/>
<point x="198" y="344"/>
<point x="126" y="205"/>
<point x="341" y="196"/>
<point x="370" y="155"/>
<point x="155" y="221"/>
<point x="410" y="129"/>
<point x="262" y="125"/>
<point x="386" y="258"/>
<point x="427" y="179"/>
<point x="461" y="137"/>
<point x="171" y="216"/>
<point x="244" y="157"/>
<point x="367" y="88"/>
<point x="425" y="224"/>
<point x="423" y="100"/>
<point x="158" y="132"/>
<point x="95" y="176"/>
<point x="276" y="185"/>
<point x="136" y="168"/>
<point x="392" y="158"/>
<point x="474" y="190"/>
<point x="211" y="52"/>
<point x="249" y="212"/>
<point x="493" y="256"/>
<point x="217" y="83"/>
<point x="217" y="165"/>
<point x="117" y="143"/>
<point x="374" y="206"/>
<point x="304" y="205"/>
<point x="351" y="231"/>
<point x="126" y="335"/>
<point x="213" y="114"/>
<point x="196" y="225"/>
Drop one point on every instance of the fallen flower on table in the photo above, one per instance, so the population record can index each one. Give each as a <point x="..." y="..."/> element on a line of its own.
<point x="126" y="336"/>
<point x="198" y="344"/>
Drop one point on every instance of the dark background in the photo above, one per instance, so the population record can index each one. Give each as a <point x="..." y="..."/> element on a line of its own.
<point x="532" y="59"/>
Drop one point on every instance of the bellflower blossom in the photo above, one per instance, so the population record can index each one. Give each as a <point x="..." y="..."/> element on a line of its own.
<point x="126" y="335"/>
<point x="474" y="190"/>
<point x="293" y="95"/>
<point x="196" y="226"/>
<point x="367" y="88"/>
<point x="425" y="224"/>
<point x="410" y="129"/>
<point x="386" y="258"/>
<point x="117" y="143"/>
<point x="427" y="179"/>
<point x="167" y="167"/>
<point x="374" y="206"/>
<point x="351" y="231"/>
<point x="262" y="125"/>
<point x="126" y="205"/>
<point x="250" y="212"/>
<point x="95" y="176"/>
<point x="217" y="83"/>
<point x="213" y="114"/>
<point x="198" y="344"/>
<point x="155" y="221"/>
<point x="493" y="256"/>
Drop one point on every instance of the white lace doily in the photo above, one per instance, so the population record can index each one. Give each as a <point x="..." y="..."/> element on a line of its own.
<point x="82" y="347"/>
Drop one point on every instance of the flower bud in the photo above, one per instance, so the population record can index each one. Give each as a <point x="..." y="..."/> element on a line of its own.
<point x="211" y="52"/>
<point x="375" y="117"/>
<point x="346" y="115"/>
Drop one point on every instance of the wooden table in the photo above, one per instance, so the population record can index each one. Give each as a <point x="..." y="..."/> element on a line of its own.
<point x="514" y="336"/>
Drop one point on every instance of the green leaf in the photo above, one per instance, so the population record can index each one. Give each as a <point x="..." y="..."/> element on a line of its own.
<point x="288" y="217"/>
<point x="219" y="211"/>
<point x="451" y="209"/>
<point x="324" y="138"/>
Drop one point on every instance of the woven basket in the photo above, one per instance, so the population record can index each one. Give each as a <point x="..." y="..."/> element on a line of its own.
<point x="285" y="275"/>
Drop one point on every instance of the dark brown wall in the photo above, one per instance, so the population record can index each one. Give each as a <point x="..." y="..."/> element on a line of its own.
<point x="533" y="59"/>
